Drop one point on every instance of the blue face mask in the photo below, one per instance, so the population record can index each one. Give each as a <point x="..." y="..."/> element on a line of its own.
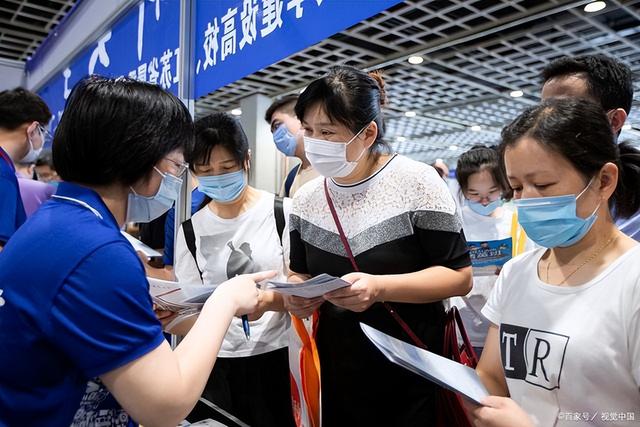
<point x="481" y="209"/>
<point x="223" y="188"/>
<point x="552" y="221"/>
<point x="285" y="141"/>
<point x="146" y="209"/>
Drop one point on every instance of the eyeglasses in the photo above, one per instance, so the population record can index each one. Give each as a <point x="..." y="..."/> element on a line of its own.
<point x="46" y="135"/>
<point x="478" y="198"/>
<point x="181" y="167"/>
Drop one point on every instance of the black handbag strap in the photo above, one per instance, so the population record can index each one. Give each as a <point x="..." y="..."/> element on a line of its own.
<point x="347" y="247"/>
<point x="190" y="239"/>
<point x="278" y="213"/>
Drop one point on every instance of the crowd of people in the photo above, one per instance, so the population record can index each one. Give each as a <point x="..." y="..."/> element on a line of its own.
<point x="535" y="244"/>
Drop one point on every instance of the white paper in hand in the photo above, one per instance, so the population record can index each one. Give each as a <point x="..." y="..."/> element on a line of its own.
<point x="138" y="246"/>
<point x="440" y="370"/>
<point x="314" y="287"/>
<point x="177" y="296"/>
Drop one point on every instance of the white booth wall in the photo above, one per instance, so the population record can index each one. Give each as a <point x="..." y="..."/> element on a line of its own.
<point x="11" y="74"/>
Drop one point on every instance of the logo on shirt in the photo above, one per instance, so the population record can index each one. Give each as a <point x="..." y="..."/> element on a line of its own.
<point x="1" y="299"/>
<point x="532" y="355"/>
<point x="241" y="260"/>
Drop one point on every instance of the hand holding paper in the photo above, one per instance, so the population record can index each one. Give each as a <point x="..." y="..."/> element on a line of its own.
<point x="176" y="296"/>
<point x="362" y="293"/>
<point x="301" y="307"/>
<point x="500" y="412"/>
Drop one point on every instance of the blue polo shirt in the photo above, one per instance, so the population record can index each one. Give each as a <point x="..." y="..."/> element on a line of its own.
<point x="74" y="304"/>
<point x="12" y="214"/>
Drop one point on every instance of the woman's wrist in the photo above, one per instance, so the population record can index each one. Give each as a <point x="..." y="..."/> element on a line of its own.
<point x="381" y="288"/>
<point x="384" y="287"/>
<point x="223" y="300"/>
<point x="271" y="301"/>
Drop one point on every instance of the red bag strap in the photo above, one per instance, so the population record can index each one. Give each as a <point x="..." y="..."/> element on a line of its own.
<point x="454" y="325"/>
<point x="417" y="341"/>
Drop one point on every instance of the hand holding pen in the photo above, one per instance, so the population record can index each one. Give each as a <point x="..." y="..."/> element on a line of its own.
<point x="243" y="291"/>
<point x="238" y="282"/>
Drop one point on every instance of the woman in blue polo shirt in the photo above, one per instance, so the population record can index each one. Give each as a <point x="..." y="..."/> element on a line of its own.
<point x="74" y="300"/>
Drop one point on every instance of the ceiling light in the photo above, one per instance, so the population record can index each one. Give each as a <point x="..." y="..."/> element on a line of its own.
<point x="236" y="112"/>
<point x="476" y="128"/>
<point x="595" y="6"/>
<point x="410" y="114"/>
<point x="453" y="147"/>
<point x="627" y="127"/>
<point x="401" y="138"/>
<point x="415" y="60"/>
<point x="516" y="93"/>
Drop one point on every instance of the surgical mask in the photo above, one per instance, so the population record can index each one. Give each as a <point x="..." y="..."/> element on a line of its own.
<point x="285" y="141"/>
<point x="223" y="188"/>
<point x="552" y="221"/>
<point x="33" y="154"/>
<point x="146" y="209"/>
<point x="330" y="158"/>
<point x="484" y="210"/>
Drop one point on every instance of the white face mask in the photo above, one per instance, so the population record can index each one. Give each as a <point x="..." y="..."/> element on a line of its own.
<point x="146" y="209"/>
<point x="32" y="154"/>
<point x="329" y="158"/>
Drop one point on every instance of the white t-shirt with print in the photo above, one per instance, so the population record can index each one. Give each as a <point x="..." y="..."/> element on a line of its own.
<point x="571" y="350"/>
<point x="228" y="247"/>
<point x="490" y="243"/>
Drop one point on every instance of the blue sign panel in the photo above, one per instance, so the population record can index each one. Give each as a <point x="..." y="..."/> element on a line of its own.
<point x="235" y="38"/>
<point x="487" y="258"/>
<point x="143" y="44"/>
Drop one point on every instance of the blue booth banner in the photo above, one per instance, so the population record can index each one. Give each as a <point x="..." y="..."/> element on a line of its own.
<point x="235" y="38"/>
<point x="143" y="44"/>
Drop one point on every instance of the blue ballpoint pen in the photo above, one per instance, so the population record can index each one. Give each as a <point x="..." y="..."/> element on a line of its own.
<point x="245" y="326"/>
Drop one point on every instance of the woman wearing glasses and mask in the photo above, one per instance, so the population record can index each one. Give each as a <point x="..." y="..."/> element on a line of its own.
<point x="399" y="221"/>
<point x="565" y="336"/>
<point x="238" y="230"/>
<point x="74" y="300"/>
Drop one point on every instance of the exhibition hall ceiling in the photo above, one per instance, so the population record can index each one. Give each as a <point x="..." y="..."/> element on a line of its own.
<point x="480" y="61"/>
<point x="24" y="24"/>
<point x="477" y="57"/>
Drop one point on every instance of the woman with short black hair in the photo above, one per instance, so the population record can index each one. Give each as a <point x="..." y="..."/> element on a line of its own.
<point x="75" y="302"/>
<point x="236" y="232"/>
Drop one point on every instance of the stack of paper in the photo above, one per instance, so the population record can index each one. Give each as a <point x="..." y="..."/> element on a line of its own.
<point x="440" y="370"/>
<point x="178" y="297"/>
<point x="311" y="288"/>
